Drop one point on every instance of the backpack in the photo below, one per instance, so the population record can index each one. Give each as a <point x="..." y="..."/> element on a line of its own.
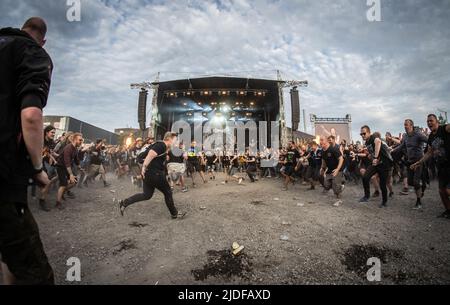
<point x="141" y="155"/>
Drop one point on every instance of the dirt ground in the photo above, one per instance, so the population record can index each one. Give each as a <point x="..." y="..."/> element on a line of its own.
<point x="290" y="237"/>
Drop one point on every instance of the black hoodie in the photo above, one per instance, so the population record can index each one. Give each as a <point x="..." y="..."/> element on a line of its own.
<point x="25" y="71"/>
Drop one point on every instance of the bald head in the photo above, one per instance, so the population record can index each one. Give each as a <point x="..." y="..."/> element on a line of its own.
<point x="37" y="28"/>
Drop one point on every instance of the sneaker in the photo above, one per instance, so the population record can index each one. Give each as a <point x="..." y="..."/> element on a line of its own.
<point x="376" y="194"/>
<point x="383" y="205"/>
<point x="418" y="206"/>
<point x="43" y="205"/>
<point x="240" y="181"/>
<point x="391" y="194"/>
<point x="312" y="188"/>
<point x="184" y="189"/>
<point x="405" y="191"/>
<point x="180" y="215"/>
<point x="364" y="200"/>
<point x="337" y="203"/>
<point x="342" y="187"/>
<point x="106" y="184"/>
<point x="70" y="195"/>
<point x="60" y="206"/>
<point x="284" y="188"/>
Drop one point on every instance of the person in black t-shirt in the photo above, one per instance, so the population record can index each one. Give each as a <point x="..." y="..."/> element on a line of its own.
<point x="439" y="148"/>
<point x="290" y="160"/>
<point x="381" y="164"/>
<point x="332" y="167"/>
<point x="315" y="163"/>
<point x="154" y="173"/>
<point x="251" y="165"/>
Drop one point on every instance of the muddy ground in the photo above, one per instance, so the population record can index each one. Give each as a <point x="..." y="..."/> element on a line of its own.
<point x="290" y="237"/>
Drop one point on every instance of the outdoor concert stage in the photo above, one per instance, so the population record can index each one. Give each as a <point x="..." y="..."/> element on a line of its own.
<point x="218" y="100"/>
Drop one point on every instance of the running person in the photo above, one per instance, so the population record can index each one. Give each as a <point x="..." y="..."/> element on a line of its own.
<point x="439" y="148"/>
<point x="292" y="155"/>
<point x="381" y="165"/>
<point x="193" y="163"/>
<point x="154" y="173"/>
<point x="413" y="143"/>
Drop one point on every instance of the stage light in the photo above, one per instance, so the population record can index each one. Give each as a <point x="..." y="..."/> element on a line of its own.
<point x="252" y="103"/>
<point x="172" y="94"/>
<point x="225" y="109"/>
<point x="237" y="103"/>
<point x="248" y="114"/>
<point x="188" y="93"/>
<point x="184" y="104"/>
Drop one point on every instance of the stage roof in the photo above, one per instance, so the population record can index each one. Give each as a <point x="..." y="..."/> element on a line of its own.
<point x="218" y="82"/>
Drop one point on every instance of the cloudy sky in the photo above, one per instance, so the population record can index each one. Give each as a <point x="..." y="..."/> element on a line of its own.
<point x="379" y="72"/>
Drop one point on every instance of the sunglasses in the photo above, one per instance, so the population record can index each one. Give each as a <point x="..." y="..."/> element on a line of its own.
<point x="362" y="134"/>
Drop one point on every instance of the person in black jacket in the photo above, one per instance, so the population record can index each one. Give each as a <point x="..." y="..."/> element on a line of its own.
<point x="25" y="73"/>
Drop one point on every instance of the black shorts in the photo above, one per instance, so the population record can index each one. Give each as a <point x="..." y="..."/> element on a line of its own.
<point x="289" y="169"/>
<point x="193" y="166"/>
<point x="313" y="173"/>
<point x="444" y="177"/>
<point x="63" y="176"/>
<point x="414" y="176"/>
<point x="21" y="247"/>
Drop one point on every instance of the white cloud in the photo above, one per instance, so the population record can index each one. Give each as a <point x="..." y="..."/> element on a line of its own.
<point x="398" y="67"/>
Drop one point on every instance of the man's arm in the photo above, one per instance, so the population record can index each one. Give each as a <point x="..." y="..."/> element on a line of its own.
<point x="425" y="157"/>
<point x="338" y="168"/>
<point x="150" y="156"/>
<point x="400" y="147"/>
<point x="32" y="130"/>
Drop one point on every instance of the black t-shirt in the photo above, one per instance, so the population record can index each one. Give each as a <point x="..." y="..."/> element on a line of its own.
<point x="226" y="161"/>
<point x="331" y="157"/>
<point x="292" y="156"/>
<point x="440" y="143"/>
<point x="157" y="163"/>
<point x="210" y="159"/>
<point x="384" y="155"/>
<point x="96" y="157"/>
<point x="175" y="159"/>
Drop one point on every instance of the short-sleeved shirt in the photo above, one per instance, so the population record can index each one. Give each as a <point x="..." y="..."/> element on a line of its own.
<point x="331" y="157"/>
<point x="157" y="163"/>
<point x="291" y="156"/>
<point x="440" y="143"/>
<point x="175" y="159"/>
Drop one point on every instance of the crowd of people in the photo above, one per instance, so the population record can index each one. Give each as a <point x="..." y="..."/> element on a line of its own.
<point x="376" y="161"/>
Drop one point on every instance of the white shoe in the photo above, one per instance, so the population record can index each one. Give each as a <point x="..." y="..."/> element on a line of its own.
<point x="337" y="203"/>
<point x="240" y="180"/>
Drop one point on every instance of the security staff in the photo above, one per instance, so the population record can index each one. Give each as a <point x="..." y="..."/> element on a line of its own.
<point x="154" y="173"/>
<point x="25" y="73"/>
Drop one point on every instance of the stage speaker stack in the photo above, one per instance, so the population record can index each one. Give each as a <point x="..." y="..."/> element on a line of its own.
<point x="295" y="107"/>
<point x="142" y="109"/>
